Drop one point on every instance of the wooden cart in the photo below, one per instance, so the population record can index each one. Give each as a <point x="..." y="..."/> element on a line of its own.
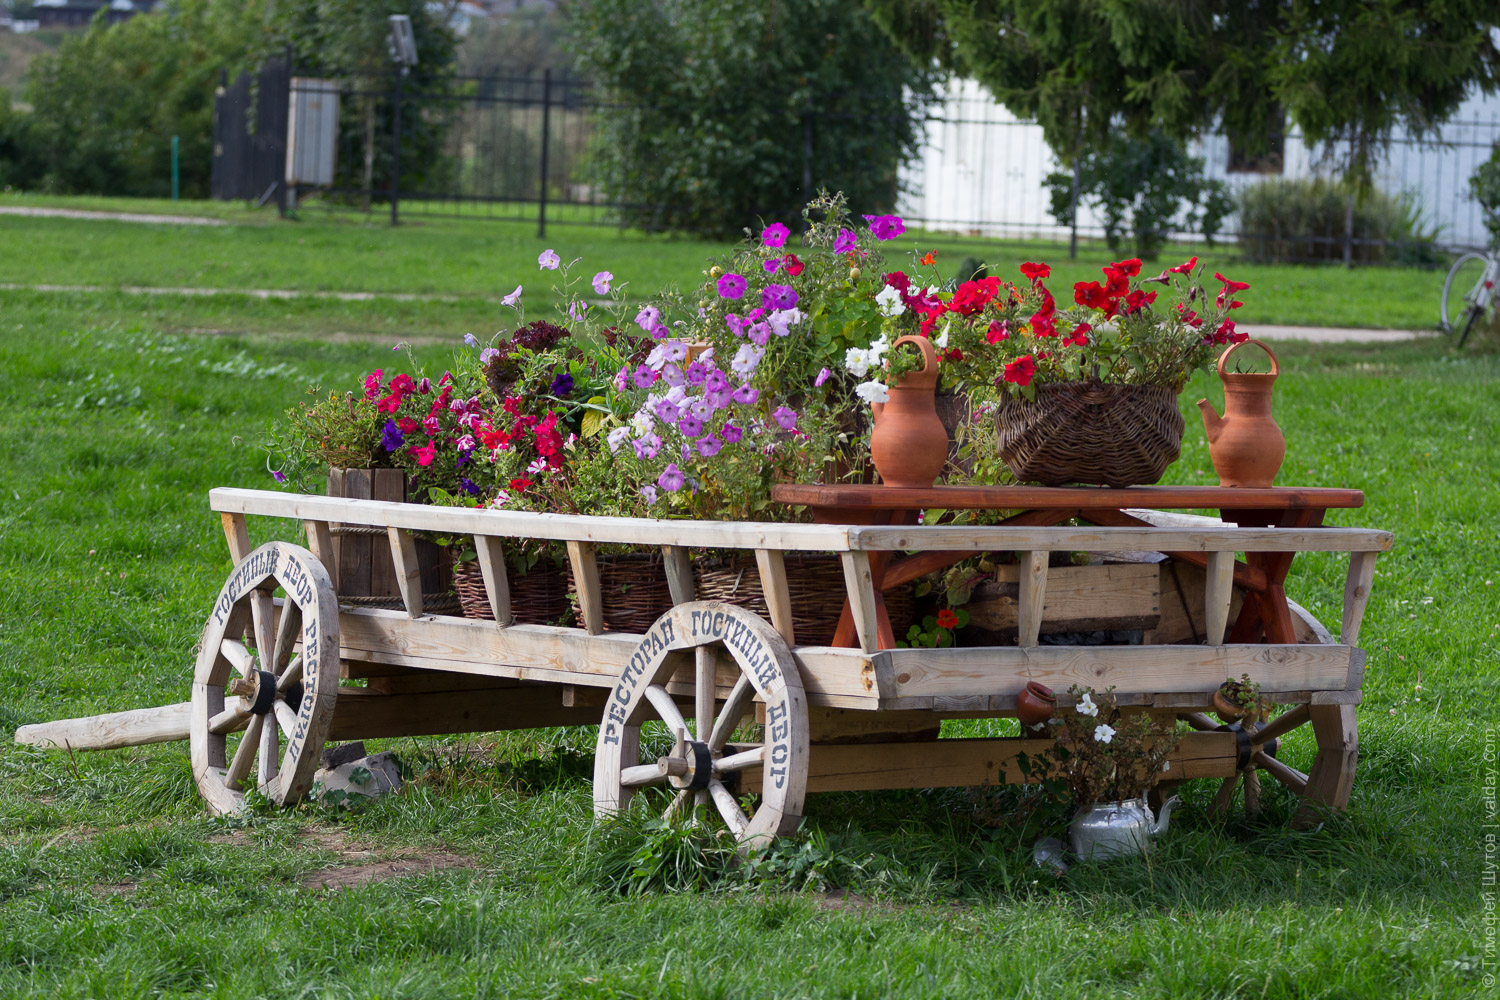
<point x="275" y="669"/>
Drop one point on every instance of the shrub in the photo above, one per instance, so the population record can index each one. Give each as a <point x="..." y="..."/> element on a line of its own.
<point x="1485" y="186"/>
<point x="1303" y="220"/>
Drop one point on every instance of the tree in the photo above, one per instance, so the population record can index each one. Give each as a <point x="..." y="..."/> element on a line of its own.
<point x="716" y="113"/>
<point x="1340" y="69"/>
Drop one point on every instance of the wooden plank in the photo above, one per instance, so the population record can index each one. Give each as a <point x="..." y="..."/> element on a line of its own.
<point x="1281" y="725"/>
<point x="860" y="590"/>
<point x="772" y="568"/>
<point x="679" y="573"/>
<point x="372" y="716"/>
<point x="1331" y="779"/>
<point x="490" y="554"/>
<point x="1003" y="671"/>
<point x="1356" y="595"/>
<point x="971" y="762"/>
<point x="335" y="489"/>
<point x="355" y="551"/>
<point x="1244" y="575"/>
<point x="524" y="524"/>
<point x="1029" y="605"/>
<point x="1133" y="539"/>
<point x="107" y="732"/>
<point x="586" y="580"/>
<point x="320" y="543"/>
<point x="387" y="485"/>
<point x="1218" y="591"/>
<point x="237" y="535"/>
<point x="408" y="573"/>
<point x="1077" y="598"/>
<point x="843" y="678"/>
<point x="1040" y="497"/>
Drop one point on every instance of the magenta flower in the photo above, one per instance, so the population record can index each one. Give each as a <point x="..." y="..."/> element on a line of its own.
<point x="732" y="434"/>
<point x="647" y="447"/>
<point x="601" y="282"/>
<point x="548" y="260"/>
<point x="735" y="324"/>
<point x="280" y="476"/>
<point x="690" y="426"/>
<point x="696" y="373"/>
<point x="645" y="377"/>
<point x="846" y="241"/>
<point x="648" y="318"/>
<point x="746" y="396"/>
<point x="576" y="310"/>
<point x="774" y="235"/>
<point x="885" y="227"/>
<point x="708" y="446"/>
<point x="620" y="377"/>
<point x="671" y="478"/>
<point x="771" y="265"/>
<point x="718" y="398"/>
<point x="715" y="381"/>
<point x="786" y="419"/>
<point x="774" y="297"/>
<point x="667" y="411"/>
<point x="732" y="286"/>
<point x="760" y="333"/>
<point x="823" y="376"/>
<point x="424" y="386"/>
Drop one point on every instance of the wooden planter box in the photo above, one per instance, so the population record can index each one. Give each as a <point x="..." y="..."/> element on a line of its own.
<point x="366" y="572"/>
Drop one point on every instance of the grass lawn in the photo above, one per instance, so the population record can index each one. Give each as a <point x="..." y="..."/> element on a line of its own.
<point x="114" y="882"/>
<point x="477" y="261"/>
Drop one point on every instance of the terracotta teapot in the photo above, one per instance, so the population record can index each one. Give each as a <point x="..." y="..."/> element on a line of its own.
<point x="909" y="444"/>
<point x="1245" y="444"/>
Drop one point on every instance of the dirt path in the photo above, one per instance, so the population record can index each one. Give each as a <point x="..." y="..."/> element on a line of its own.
<point x="78" y="213"/>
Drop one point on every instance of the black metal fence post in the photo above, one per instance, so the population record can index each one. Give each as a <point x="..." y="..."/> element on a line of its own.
<point x="396" y="150"/>
<point x="1073" y="220"/>
<point x="807" y="152"/>
<point x="541" y="207"/>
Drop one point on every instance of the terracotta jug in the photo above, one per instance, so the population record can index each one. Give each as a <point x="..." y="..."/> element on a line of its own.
<point x="1245" y="444"/>
<point x="909" y="445"/>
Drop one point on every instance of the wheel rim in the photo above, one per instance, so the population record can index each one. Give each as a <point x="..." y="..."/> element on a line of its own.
<point x="731" y="657"/>
<point x="279" y="696"/>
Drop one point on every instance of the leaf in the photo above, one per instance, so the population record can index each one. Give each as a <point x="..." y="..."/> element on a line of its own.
<point x="593" y="423"/>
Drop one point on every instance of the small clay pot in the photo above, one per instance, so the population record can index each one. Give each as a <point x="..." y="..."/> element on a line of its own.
<point x="1227" y="709"/>
<point x="1035" y="704"/>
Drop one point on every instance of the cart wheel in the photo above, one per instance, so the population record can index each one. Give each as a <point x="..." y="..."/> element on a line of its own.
<point x="273" y="696"/>
<point x="699" y="767"/>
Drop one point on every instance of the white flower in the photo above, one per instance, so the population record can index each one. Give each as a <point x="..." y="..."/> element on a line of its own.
<point x="942" y="342"/>
<point x="746" y="360"/>
<point x="932" y="290"/>
<point x="1086" y="706"/>
<point x="857" y="360"/>
<point x="675" y="350"/>
<point x="501" y="499"/>
<point x="618" y="437"/>
<point x="783" y="319"/>
<point x="657" y="357"/>
<point x="873" y="392"/>
<point x="881" y="345"/>
<point x="537" y="465"/>
<point x="890" y="302"/>
<point x="707" y="358"/>
<point x="1103" y="733"/>
<point x="643" y="422"/>
<point x="676" y="394"/>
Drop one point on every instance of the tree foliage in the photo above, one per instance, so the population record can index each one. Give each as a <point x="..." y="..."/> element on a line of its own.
<point x="711" y="108"/>
<point x="1341" y="69"/>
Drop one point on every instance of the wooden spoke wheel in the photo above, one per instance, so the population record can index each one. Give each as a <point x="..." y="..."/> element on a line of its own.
<point x="278" y="697"/>
<point x="732" y="657"/>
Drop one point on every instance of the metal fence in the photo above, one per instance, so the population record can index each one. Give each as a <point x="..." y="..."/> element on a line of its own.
<point x="517" y="148"/>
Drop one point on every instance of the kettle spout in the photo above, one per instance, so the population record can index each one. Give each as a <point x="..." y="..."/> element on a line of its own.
<point x="1165" y="816"/>
<point x="1213" y="424"/>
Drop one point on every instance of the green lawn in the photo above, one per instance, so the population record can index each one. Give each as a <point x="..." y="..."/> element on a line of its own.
<point x="114" y="883"/>
<point x="477" y="261"/>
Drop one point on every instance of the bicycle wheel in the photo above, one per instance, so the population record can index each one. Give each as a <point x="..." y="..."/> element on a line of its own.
<point x="1470" y="315"/>
<point x="1465" y="275"/>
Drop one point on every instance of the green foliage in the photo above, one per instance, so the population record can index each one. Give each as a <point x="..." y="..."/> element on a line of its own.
<point x="1485" y="185"/>
<point x="106" y="105"/>
<point x="1341" y="69"/>
<point x="1304" y="219"/>
<point x="1148" y="187"/>
<point x="712" y="106"/>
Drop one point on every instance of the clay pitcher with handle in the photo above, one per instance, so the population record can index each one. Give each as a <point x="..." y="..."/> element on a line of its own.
<point x="909" y="444"/>
<point x="1245" y="444"/>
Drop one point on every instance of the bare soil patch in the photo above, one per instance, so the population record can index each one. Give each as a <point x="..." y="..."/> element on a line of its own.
<point x="415" y="863"/>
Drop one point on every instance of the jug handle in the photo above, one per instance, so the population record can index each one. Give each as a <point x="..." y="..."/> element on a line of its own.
<point x="1275" y="368"/>
<point x="929" y="356"/>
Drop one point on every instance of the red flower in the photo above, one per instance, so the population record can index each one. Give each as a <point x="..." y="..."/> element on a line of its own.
<point x="390" y="404"/>
<point x="522" y="484"/>
<point x="1043" y="325"/>
<point x="512" y="405"/>
<point x="1188" y="317"/>
<point x="930" y="258"/>
<point x="408" y="425"/>
<point x="425" y="454"/>
<point x="1230" y="287"/>
<point x="953" y="354"/>
<point x="972" y="296"/>
<point x="1185" y="267"/>
<point x="1130" y="268"/>
<point x="1036" y="272"/>
<point x="791" y="265"/>
<point x="1226" y="334"/>
<point x="1080" y="336"/>
<point x="947" y="619"/>
<point x="1020" y="370"/>
<point x="403" y="384"/>
<point x="898" y="280"/>
<point x="1138" y="300"/>
<point x="999" y="330"/>
<point x="372" y="383"/>
<point x="1091" y="295"/>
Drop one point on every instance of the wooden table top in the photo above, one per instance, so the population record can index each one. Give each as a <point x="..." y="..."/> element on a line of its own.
<point x="1065" y="497"/>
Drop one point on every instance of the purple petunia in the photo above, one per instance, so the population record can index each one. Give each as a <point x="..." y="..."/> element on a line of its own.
<point x="732" y="286"/>
<point x="760" y="333"/>
<point x="845" y="242"/>
<point x="667" y="411"/>
<point x="647" y="318"/>
<point x="562" y="385"/>
<point x="823" y="375"/>
<point x="732" y="434"/>
<point x="716" y="381"/>
<point x="774" y="235"/>
<point x="392" y="438"/>
<point x="771" y="266"/>
<point x="786" y="419"/>
<point x="647" y="447"/>
<point x="696" y="373"/>
<point x="735" y="324"/>
<point x="601" y="282"/>
<point x="548" y="260"/>
<point x="746" y="396"/>
<point x="690" y="426"/>
<point x="701" y="408"/>
<point x="469" y="487"/>
<point x="885" y="227"/>
<point x="774" y="297"/>
<point x="672" y="375"/>
<point x="645" y="377"/>
<point x="278" y="475"/>
<point x="708" y="446"/>
<point x="671" y="478"/>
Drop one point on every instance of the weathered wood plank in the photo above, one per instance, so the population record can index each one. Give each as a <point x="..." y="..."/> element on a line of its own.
<point x="490" y="553"/>
<point x="408" y="572"/>
<point x="772" y="568"/>
<point x="586" y="580"/>
<point x="138" y="727"/>
<point x="1356" y="595"/>
<point x="372" y="716"/>
<point x="860" y="587"/>
<point x="1052" y="497"/>
<point x="1091" y="539"/>
<point x="679" y="573"/>
<point x="320" y="543"/>
<point x="1218" y="591"/>
<point x="356" y="552"/>
<point x="1076" y="598"/>
<point x="1030" y="601"/>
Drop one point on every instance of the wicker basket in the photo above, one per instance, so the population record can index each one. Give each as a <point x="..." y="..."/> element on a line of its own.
<point x="633" y="589"/>
<point x="1093" y="433"/>
<point x="815" y="584"/>
<point x="538" y="598"/>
